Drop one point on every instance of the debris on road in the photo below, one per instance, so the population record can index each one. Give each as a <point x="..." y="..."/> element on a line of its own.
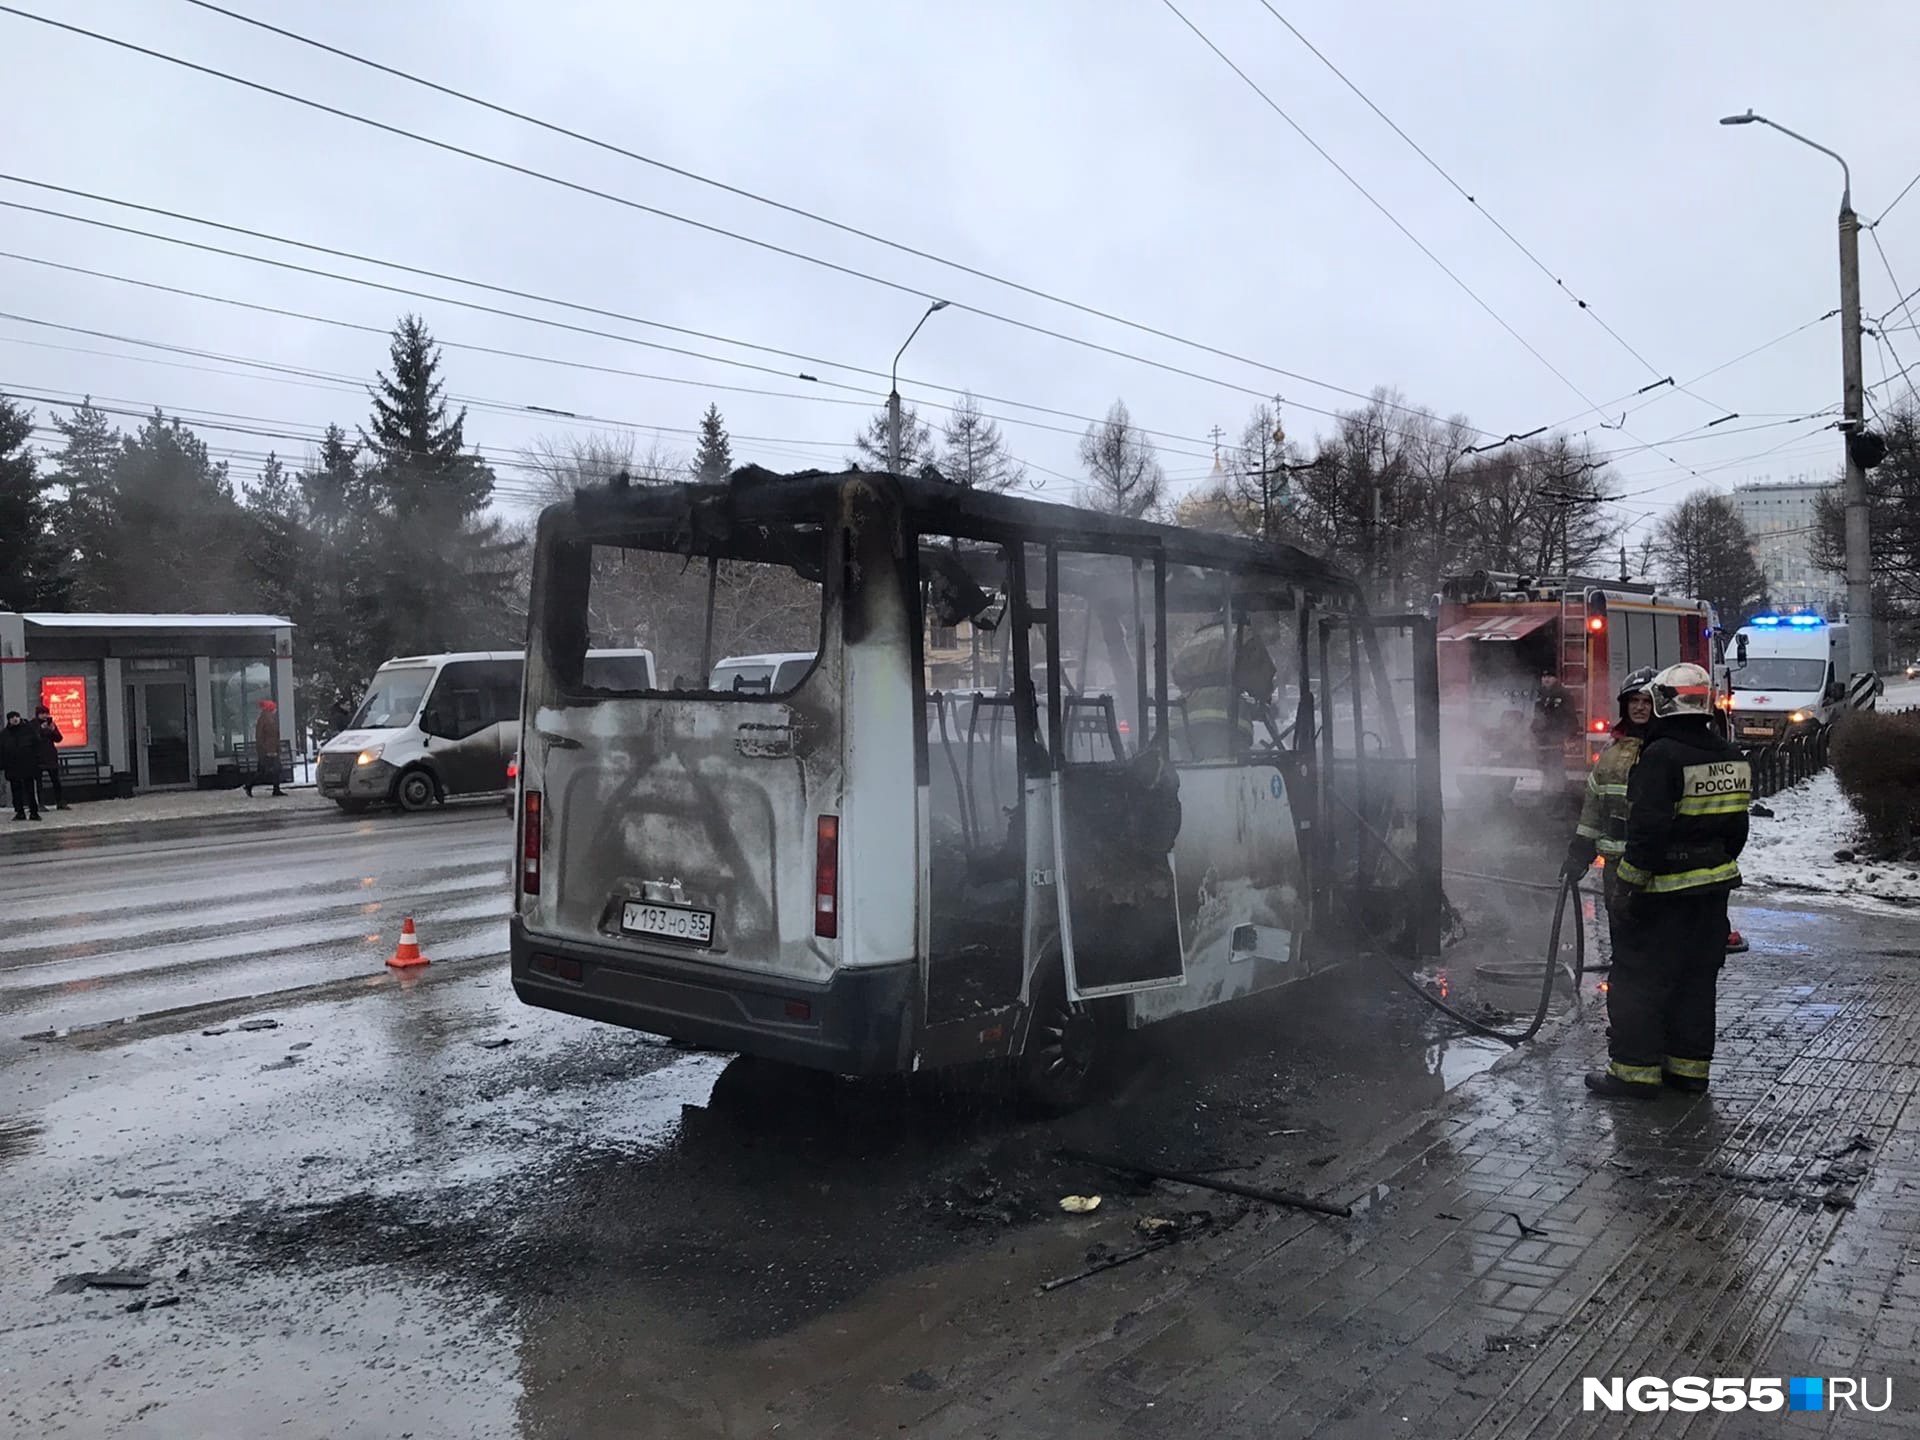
<point x="1079" y="1204"/>
<point x="1857" y="1142"/>
<point x="160" y="1302"/>
<point x="500" y="1043"/>
<point x="1101" y="1259"/>
<point x="217" y="1030"/>
<point x="1206" y="1182"/>
<point x="1527" y="1231"/>
<point x="264" y="1023"/>
<point x="102" y="1280"/>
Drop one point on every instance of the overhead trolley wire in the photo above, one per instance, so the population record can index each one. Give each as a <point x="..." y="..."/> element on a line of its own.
<point x="660" y="212"/>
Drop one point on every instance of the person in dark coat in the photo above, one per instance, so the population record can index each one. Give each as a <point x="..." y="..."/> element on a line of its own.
<point x="266" y="749"/>
<point x="20" y="763"/>
<point x="50" y="738"/>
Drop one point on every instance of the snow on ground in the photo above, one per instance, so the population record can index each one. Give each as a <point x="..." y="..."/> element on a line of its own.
<point x="1794" y="850"/>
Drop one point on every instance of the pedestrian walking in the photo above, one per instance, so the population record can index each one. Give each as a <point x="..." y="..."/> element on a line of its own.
<point x="50" y="738"/>
<point x="266" y="749"/>
<point x="20" y="763"/>
<point x="1687" y="798"/>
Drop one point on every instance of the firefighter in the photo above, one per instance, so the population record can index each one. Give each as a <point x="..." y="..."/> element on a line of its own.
<point x="1219" y="722"/>
<point x="1603" y="814"/>
<point x="1687" y="799"/>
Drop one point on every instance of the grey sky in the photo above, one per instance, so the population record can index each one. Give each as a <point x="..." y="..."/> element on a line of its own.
<point x="1093" y="148"/>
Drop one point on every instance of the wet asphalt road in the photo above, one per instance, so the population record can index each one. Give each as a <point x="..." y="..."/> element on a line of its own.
<point x="375" y="1218"/>
<point x="101" y="933"/>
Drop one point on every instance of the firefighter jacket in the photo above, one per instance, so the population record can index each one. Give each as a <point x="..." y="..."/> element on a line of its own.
<point x="1200" y="670"/>
<point x="1687" y="802"/>
<point x="1603" y="813"/>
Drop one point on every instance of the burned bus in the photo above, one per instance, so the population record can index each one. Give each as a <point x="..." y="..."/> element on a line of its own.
<point x="992" y="816"/>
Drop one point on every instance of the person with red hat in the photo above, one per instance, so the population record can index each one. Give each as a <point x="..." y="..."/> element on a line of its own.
<point x="266" y="749"/>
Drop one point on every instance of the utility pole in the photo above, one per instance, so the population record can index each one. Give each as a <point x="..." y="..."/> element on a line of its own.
<point x="893" y="393"/>
<point x="1853" y="419"/>
<point x="1852" y="402"/>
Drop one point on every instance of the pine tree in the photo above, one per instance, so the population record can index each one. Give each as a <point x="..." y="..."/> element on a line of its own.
<point x="916" y="444"/>
<point x="975" y="454"/>
<point x="30" y="573"/>
<point x="277" y="550"/>
<point x="713" y="462"/>
<point x="178" y="539"/>
<point x="82" y="518"/>
<point x="445" y="567"/>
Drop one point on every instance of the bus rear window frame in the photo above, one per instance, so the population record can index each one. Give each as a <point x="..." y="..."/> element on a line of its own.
<point x="584" y="540"/>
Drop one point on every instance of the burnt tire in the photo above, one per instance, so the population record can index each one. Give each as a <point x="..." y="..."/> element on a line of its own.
<point x="1069" y="1049"/>
<point x="415" y="791"/>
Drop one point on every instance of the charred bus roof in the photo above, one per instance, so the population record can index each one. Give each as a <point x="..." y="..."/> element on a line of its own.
<point x="722" y="519"/>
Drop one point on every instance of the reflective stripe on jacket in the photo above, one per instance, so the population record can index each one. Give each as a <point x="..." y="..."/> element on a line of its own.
<point x="1687" y="800"/>
<point x="1603" y="813"/>
<point x="1200" y="670"/>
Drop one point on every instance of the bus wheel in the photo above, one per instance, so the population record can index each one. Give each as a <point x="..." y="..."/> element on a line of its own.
<point x="1068" y="1045"/>
<point x="416" y="790"/>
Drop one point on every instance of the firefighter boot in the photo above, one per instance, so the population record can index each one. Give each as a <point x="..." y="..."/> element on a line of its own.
<point x="1610" y="1084"/>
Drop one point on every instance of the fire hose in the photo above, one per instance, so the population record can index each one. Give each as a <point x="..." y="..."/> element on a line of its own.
<point x="1551" y="970"/>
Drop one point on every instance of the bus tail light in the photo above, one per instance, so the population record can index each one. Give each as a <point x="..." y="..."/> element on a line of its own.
<point x="530" y="843"/>
<point x="826" y="878"/>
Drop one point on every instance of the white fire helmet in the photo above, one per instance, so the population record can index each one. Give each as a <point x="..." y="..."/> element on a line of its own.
<point x="1683" y="689"/>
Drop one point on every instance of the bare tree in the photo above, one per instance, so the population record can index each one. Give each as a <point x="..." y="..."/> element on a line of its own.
<point x="1123" y="473"/>
<point x="558" y="466"/>
<point x="1703" y="550"/>
<point x="975" y="456"/>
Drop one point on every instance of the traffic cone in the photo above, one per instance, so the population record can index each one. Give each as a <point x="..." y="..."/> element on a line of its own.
<point x="407" y="954"/>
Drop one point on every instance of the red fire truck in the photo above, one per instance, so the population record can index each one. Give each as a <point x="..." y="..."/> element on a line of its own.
<point x="1499" y="636"/>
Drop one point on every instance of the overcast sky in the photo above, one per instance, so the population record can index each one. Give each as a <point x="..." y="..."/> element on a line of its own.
<point x="1093" y="149"/>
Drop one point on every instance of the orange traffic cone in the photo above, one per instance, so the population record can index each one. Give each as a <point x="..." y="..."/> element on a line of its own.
<point x="407" y="954"/>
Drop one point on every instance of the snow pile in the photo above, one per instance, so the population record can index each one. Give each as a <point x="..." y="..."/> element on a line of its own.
<point x="1795" y="849"/>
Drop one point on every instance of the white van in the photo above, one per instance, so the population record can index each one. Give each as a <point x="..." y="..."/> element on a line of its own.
<point x="761" y="674"/>
<point x="434" y="726"/>
<point x="1787" y="675"/>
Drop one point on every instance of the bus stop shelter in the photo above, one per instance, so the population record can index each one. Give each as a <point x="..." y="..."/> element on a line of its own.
<point x="149" y="702"/>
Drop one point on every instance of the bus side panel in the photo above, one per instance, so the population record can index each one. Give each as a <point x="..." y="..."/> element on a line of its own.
<point x="1242" y="889"/>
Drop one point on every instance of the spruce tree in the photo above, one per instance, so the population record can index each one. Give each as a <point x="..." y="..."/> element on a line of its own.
<point x="916" y="443"/>
<point x="445" y="568"/>
<point x="30" y="574"/>
<point x="82" y="519"/>
<point x="714" y="460"/>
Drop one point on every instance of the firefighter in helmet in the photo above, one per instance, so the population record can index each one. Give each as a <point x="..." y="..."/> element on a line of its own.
<point x="1687" y="798"/>
<point x="1603" y="814"/>
<point x="1219" y="711"/>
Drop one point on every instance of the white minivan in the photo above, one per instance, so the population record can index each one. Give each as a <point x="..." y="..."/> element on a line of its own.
<point x="435" y="726"/>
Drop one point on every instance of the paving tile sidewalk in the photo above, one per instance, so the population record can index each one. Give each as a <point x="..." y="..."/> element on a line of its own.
<point x="1527" y="1236"/>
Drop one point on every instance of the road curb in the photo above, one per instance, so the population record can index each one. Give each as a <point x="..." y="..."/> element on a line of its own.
<point x="117" y="832"/>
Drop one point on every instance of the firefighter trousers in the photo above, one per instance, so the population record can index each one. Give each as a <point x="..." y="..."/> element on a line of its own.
<point x="1661" y="994"/>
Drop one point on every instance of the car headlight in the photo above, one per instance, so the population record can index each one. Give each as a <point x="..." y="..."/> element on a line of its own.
<point x="1797" y="716"/>
<point x="368" y="755"/>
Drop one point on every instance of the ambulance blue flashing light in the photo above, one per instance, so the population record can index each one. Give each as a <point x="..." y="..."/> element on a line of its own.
<point x="1806" y="622"/>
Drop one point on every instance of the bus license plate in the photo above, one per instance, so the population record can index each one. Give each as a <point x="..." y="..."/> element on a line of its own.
<point x="669" y="922"/>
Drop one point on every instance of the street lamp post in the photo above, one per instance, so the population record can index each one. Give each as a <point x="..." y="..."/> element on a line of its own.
<point x="893" y="393"/>
<point x="1859" y="563"/>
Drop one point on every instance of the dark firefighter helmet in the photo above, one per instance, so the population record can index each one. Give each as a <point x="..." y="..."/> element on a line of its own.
<point x="1639" y="682"/>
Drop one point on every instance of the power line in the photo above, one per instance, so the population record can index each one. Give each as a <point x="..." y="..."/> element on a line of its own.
<point x="658" y="212"/>
<point x="1897" y="199"/>
<point x="1464" y="194"/>
<point x="961" y="267"/>
<point x="1345" y="174"/>
<point x="1874" y="232"/>
<point x="509" y="314"/>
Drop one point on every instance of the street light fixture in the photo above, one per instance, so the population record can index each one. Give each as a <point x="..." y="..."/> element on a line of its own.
<point x="1859" y="563"/>
<point x="893" y="395"/>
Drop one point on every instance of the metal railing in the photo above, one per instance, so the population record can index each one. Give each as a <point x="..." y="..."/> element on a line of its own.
<point x="1788" y="761"/>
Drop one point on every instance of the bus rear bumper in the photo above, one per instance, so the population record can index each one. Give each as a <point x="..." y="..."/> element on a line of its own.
<point x="860" y="1022"/>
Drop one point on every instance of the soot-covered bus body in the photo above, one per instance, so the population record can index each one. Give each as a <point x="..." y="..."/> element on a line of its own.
<point x="995" y="816"/>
